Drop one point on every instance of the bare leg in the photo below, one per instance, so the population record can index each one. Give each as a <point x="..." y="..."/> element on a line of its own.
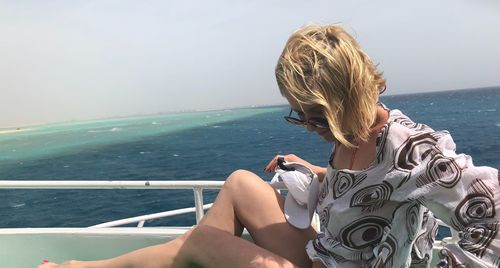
<point x="204" y="246"/>
<point x="244" y="201"/>
<point x="221" y="249"/>
<point x="247" y="201"/>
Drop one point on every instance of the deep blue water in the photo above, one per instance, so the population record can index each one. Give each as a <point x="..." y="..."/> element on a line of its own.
<point x="196" y="146"/>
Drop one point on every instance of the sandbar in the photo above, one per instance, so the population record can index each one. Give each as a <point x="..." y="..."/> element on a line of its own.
<point x="15" y="130"/>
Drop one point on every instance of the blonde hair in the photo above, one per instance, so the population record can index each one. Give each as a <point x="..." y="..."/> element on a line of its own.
<point x="324" y="65"/>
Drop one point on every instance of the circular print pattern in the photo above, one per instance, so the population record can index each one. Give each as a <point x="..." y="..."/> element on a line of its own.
<point x="325" y="189"/>
<point x="475" y="207"/>
<point x="407" y="122"/>
<point x="416" y="148"/>
<point x="363" y="232"/>
<point x="345" y="181"/>
<point x="412" y="221"/>
<point x="442" y="170"/>
<point x="372" y="197"/>
<point x="324" y="216"/>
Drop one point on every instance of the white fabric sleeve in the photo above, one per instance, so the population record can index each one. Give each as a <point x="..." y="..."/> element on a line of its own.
<point x="464" y="196"/>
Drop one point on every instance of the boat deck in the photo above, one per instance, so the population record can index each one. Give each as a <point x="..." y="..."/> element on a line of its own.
<point x="27" y="247"/>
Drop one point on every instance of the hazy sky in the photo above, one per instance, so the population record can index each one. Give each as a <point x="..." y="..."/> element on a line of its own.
<point x="74" y="60"/>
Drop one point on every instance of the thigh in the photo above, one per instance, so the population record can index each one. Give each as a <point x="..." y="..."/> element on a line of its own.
<point x="208" y="247"/>
<point x="259" y="208"/>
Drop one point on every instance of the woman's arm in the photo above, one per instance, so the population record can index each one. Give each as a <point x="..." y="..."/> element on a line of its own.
<point x="464" y="196"/>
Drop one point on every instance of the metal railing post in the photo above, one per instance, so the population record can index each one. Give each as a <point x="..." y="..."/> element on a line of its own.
<point x="198" y="201"/>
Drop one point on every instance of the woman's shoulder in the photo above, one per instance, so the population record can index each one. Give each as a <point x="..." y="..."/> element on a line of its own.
<point x="401" y="130"/>
<point x="404" y="122"/>
<point x="406" y="137"/>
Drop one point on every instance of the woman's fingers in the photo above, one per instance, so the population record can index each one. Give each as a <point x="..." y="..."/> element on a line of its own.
<point x="273" y="163"/>
<point x="271" y="167"/>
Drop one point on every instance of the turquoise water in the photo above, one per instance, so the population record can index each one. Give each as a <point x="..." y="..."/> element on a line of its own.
<point x="195" y="146"/>
<point x="61" y="138"/>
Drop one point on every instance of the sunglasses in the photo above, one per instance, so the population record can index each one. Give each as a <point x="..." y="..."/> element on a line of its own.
<point x="316" y="122"/>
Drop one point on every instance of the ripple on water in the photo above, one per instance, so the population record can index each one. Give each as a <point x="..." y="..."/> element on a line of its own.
<point x="12" y="205"/>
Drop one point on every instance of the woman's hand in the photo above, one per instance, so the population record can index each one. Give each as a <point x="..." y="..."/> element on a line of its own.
<point x="288" y="158"/>
<point x="271" y="167"/>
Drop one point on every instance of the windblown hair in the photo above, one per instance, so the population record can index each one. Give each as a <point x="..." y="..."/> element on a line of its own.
<point x="324" y="65"/>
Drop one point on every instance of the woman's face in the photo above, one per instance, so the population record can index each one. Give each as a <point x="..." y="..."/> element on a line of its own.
<point x="308" y="112"/>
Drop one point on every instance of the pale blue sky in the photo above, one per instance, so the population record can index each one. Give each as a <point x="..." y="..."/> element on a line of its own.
<point x="74" y="60"/>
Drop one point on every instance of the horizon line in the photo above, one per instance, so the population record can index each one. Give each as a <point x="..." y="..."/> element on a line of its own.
<point x="222" y="109"/>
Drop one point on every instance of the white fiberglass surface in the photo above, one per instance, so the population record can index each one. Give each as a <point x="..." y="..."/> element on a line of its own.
<point x="26" y="248"/>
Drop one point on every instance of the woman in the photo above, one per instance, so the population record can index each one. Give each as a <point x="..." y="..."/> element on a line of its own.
<point x="385" y="174"/>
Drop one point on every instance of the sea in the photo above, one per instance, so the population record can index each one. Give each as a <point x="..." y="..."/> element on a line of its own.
<point x="205" y="145"/>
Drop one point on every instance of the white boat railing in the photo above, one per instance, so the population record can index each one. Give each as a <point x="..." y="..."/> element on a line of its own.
<point x="140" y="220"/>
<point x="196" y="186"/>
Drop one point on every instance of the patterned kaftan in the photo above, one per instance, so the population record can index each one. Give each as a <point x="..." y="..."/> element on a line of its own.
<point x="379" y="217"/>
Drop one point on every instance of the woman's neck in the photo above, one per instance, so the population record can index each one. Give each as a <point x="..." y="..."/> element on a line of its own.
<point x="381" y="119"/>
<point x="364" y="153"/>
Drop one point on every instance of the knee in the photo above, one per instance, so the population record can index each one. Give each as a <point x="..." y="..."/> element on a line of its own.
<point x="240" y="173"/>
<point x="240" y="179"/>
<point x="203" y="231"/>
<point x="193" y="244"/>
<point x="201" y="234"/>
